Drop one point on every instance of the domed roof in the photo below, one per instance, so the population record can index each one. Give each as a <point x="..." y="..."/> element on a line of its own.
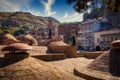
<point x="57" y="46"/>
<point x="27" y="38"/>
<point x="16" y="46"/>
<point x="28" y="69"/>
<point x="107" y="65"/>
<point x="57" y="43"/>
<point x="23" y="67"/>
<point x="102" y="62"/>
<point x="116" y="44"/>
<point x="7" y="38"/>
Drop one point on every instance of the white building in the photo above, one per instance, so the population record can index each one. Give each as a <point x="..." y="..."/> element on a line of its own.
<point x="105" y="37"/>
<point x="86" y="33"/>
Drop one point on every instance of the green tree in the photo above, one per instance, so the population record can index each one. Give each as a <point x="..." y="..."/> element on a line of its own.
<point x="11" y="31"/>
<point x="18" y="32"/>
<point x="81" y="5"/>
<point x="25" y="28"/>
<point x="50" y="33"/>
<point x="1" y="31"/>
<point x="4" y="28"/>
<point x="73" y="41"/>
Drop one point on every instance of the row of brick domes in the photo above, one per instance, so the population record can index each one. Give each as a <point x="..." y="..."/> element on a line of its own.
<point x="6" y="38"/>
<point x="20" y="66"/>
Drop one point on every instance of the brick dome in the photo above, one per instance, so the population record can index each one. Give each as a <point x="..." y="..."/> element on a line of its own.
<point x="115" y="44"/>
<point x="23" y="67"/>
<point x="28" y="69"/>
<point x="7" y="38"/>
<point x="27" y="38"/>
<point x="57" y="46"/>
<point x="107" y="65"/>
<point x="57" y="43"/>
<point x="17" y="47"/>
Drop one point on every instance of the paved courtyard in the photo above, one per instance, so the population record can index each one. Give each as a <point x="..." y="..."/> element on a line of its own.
<point x="67" y="65"/>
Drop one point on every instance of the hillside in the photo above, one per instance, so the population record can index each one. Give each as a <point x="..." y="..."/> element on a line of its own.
<point x="19" y="19"/>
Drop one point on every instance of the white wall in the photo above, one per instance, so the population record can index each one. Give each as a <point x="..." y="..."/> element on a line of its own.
<point x="97" y="35"/>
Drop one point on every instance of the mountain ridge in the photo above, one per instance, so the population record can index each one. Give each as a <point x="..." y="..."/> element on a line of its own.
<point x="18" y="19"/>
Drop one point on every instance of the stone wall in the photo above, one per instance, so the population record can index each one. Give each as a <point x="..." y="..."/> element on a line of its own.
<point x="39" y="49"/>
<point x="36" y="49"/>
<point x="91" y="55"/>
<point x="50" y="57"/>
<point x="70" y="51"/>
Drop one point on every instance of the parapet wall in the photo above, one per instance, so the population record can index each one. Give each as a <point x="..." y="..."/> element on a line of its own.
<point x="91" y="55"/>
<point x="36" y="49"/>
<point x="39" y="49"/>
<point x="70" y="51"/>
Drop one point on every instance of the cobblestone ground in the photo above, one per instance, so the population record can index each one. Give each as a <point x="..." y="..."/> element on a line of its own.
<point x="67" y="65"/>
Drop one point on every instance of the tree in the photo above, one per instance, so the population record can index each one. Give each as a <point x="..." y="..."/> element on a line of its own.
<point x="81" y="5"/>
<point x="25" y="28"/>
<point x="113" y="5"/>
<point x="73" y="41"/>
<point x="11" y="31"/>
<point x="50" y="33"/>
<point x="4" y="28"/>
<point x="18" y="32"/>
<point x="1" y="31"/>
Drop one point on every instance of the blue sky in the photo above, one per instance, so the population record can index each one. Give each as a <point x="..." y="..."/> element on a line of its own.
<point x="58" y="9"/>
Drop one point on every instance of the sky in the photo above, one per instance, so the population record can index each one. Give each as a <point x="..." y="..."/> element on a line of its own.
<point x="57" y="9"/>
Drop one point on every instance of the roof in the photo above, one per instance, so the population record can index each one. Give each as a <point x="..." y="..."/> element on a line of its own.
<point x="27" y="38"/>
<point x="107" y="61"/>
<point x="116" y="44"/>
<point x="57" y="43"/>
<point x="17" y="46"/>
<point x="7" y="38"/>
<point x="28" y="69"/>
<point x="57" y="46"/>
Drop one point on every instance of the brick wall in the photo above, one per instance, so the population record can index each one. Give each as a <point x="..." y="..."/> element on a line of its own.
<point x="70" y="51"/>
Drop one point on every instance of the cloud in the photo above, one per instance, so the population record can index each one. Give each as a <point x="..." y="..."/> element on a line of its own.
<point x="65" y="16"/>
<point x="37" y="13"/>
<point x="47" y="6"/>
<point x="71" y="18"/>
<point x="17" y="5"/>
<point x="13" y="5"/>
<point x="6" y="5"/>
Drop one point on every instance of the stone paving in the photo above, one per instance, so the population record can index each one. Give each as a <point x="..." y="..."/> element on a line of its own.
<point x="67" y="65"/>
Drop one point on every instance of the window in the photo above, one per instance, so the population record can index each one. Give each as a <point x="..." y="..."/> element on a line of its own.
<point x="103" y="39"/>
<point x="98" y="40"/>
<point x="111" y="38"/>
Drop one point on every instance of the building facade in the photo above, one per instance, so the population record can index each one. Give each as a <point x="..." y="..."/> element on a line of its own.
<point x="105" y="37"/>
<point x="68" y="30"/>
<point x="86" y="33"/>
<point x="52" y="28"/>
